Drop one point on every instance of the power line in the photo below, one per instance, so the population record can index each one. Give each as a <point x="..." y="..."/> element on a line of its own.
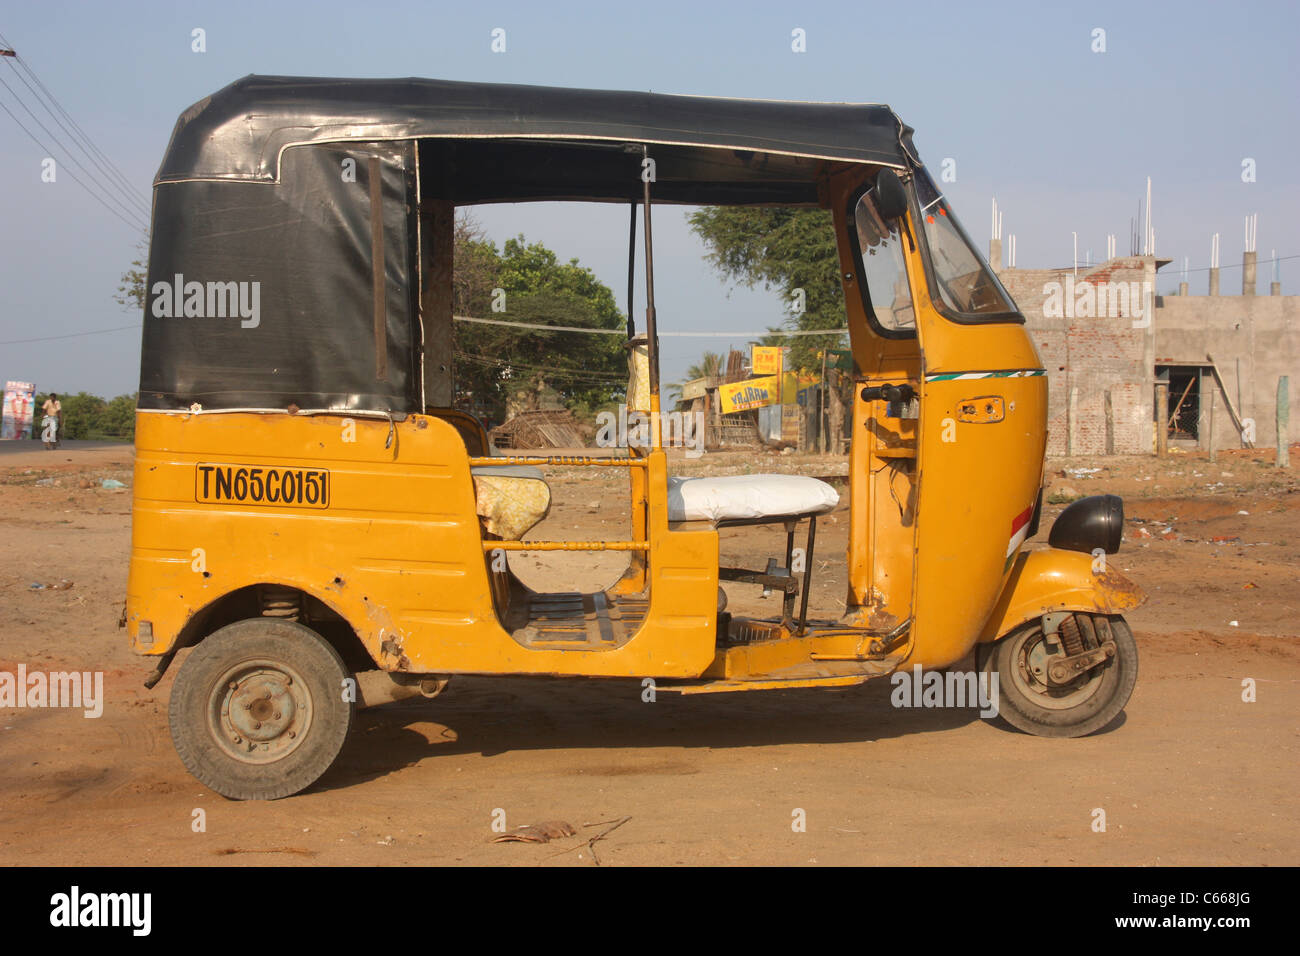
<point x="733" y="333"/>
<point x="93" y="195"/>
<point x="609" y="377"/>
<point x="125" y="208"/>
<point x="1234" y="265"/>
<point x="539" y="327"/>
<point x="105" y="165"/>
<point x="70" y="335"/>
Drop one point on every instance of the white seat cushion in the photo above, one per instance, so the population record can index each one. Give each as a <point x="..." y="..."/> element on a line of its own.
<point x="748" y="497"/>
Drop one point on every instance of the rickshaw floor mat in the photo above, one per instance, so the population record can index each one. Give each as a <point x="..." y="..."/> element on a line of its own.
<point x="580" y="621"/>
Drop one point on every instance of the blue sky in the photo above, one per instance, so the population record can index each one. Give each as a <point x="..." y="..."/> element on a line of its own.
<point x="1063" y="136"/>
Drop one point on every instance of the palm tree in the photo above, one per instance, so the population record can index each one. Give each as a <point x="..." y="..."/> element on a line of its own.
<point x="710" y="366"/>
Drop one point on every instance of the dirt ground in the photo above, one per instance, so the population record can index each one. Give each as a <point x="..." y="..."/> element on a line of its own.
<point x="1190" y="774"/>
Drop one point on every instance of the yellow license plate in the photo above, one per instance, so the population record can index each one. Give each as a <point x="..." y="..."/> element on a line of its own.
<point x="258" y="485"/>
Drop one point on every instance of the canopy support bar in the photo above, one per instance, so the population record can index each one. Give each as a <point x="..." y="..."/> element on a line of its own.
<point x="631" y="268"/>
<point x="651" y="325"/>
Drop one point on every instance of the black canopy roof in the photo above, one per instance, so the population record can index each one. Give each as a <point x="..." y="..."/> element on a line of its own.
<point x="238" y="133"/>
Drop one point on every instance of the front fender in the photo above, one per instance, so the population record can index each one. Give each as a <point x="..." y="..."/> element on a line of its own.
<point x="1056" y="580"/>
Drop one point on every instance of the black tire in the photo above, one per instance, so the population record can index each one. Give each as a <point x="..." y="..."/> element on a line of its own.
<point x="1084" y="706"/>
<point x="258" y="710"/>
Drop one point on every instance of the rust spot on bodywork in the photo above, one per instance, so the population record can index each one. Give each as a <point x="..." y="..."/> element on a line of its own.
<point x="392" y="657"/>
<point x="1115" y="592"/>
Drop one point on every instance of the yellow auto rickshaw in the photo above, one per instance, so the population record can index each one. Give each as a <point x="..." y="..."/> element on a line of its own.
<point x="309" y="508"/>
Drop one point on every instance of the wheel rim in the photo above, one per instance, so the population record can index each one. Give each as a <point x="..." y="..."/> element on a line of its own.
<point x="259" y="711"/>
<point x="1031" y="656"/>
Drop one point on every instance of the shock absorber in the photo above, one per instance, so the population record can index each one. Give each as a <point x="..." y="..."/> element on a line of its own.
<point x="282" y="603"/>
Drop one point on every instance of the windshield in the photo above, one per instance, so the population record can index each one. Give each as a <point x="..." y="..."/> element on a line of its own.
<point x="884" y="268"/>
<point x="964" y="284"/>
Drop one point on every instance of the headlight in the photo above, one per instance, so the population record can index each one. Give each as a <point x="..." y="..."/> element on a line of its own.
<point x="1090" y="523"/>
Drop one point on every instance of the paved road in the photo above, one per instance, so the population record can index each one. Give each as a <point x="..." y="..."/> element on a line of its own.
<point x="9" y="448"/>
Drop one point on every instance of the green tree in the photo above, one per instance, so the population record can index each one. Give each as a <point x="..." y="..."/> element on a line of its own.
<point x="786" y="249"/>
<point x="130" y="294"/>
<point x="82" y="414"/>
<point x="118" y="420"/>
<point x="89" y="417"/>
<point x="496" y="363"/>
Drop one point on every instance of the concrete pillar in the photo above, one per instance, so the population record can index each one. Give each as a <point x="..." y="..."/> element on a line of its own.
<point x="1209" y="432"/>
<point x="1110" y="424"/>
<point x="1182" y="288"/>
<point x="1248" y="273"/>
<point x="1214" y="281"/>
<point x="995" y="254"/>
<point x="1283" y="415"/>
<point x="1162" y="418"/>
<point x="1072" y="423"/>
<point x="1275" y="288"/>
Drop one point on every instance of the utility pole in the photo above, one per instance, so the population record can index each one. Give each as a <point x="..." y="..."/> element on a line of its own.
<point x="821" y="408"/>
<point x="1283" y="422"/>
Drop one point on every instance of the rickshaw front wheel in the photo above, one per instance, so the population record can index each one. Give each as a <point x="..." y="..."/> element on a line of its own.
<point x="260" y="709"/>
<point x="1029" y="701"/>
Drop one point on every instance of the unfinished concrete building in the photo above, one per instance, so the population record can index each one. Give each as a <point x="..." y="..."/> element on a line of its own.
<point x="1114" y="351"/>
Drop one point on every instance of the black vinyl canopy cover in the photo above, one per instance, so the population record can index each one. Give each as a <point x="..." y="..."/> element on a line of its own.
<point x="284" y="257"/>
<point x="239" y="132"/>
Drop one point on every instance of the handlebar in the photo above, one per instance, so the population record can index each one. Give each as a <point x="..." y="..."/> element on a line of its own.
<point x="893" y="394"/>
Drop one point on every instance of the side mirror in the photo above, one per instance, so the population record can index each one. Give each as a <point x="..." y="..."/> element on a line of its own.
<point x="891" y="197"/>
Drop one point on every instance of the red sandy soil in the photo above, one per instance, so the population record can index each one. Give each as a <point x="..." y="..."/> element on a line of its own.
<point x="1190" y="774"/>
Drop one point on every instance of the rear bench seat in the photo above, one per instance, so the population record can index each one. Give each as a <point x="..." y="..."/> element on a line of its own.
<point x="753" y="500"/>
<point x="748" y="499"/>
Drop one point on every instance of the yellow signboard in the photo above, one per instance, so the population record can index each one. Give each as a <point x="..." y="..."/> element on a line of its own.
<point x="767" y="359"/>
<point x="759" y="392"/>
<point x="752" y="393"/>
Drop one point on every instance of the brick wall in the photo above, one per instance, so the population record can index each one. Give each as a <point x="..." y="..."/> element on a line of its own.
<point x="1091" y="357"/>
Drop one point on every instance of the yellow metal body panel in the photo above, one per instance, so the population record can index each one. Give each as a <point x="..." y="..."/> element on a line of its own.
<point x="397" y="550"/>
<point x="811" y="656"/>
<point x="732" y="686"/>
<point x="882" y="542"/>
<point x="934" y="501"/>
<point x="1055" y="580"/>
<point x="397" y="553"/>
<point x="977" y="480"/>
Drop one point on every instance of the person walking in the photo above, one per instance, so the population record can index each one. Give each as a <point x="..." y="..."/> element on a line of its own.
<point x="52" y="425"/>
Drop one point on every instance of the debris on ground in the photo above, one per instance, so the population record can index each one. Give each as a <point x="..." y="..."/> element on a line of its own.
<point x="592" y="841"/>
<point x="538" y="832"/>
<point x="545" y="428"/>
<point x="63" y="585"/>
<point x="300" y="851"/>
<point x="112" y="484"/>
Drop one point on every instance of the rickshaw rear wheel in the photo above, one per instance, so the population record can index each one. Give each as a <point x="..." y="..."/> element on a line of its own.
<point x="1083" y="706"/>
<point x="258" y="711"/>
